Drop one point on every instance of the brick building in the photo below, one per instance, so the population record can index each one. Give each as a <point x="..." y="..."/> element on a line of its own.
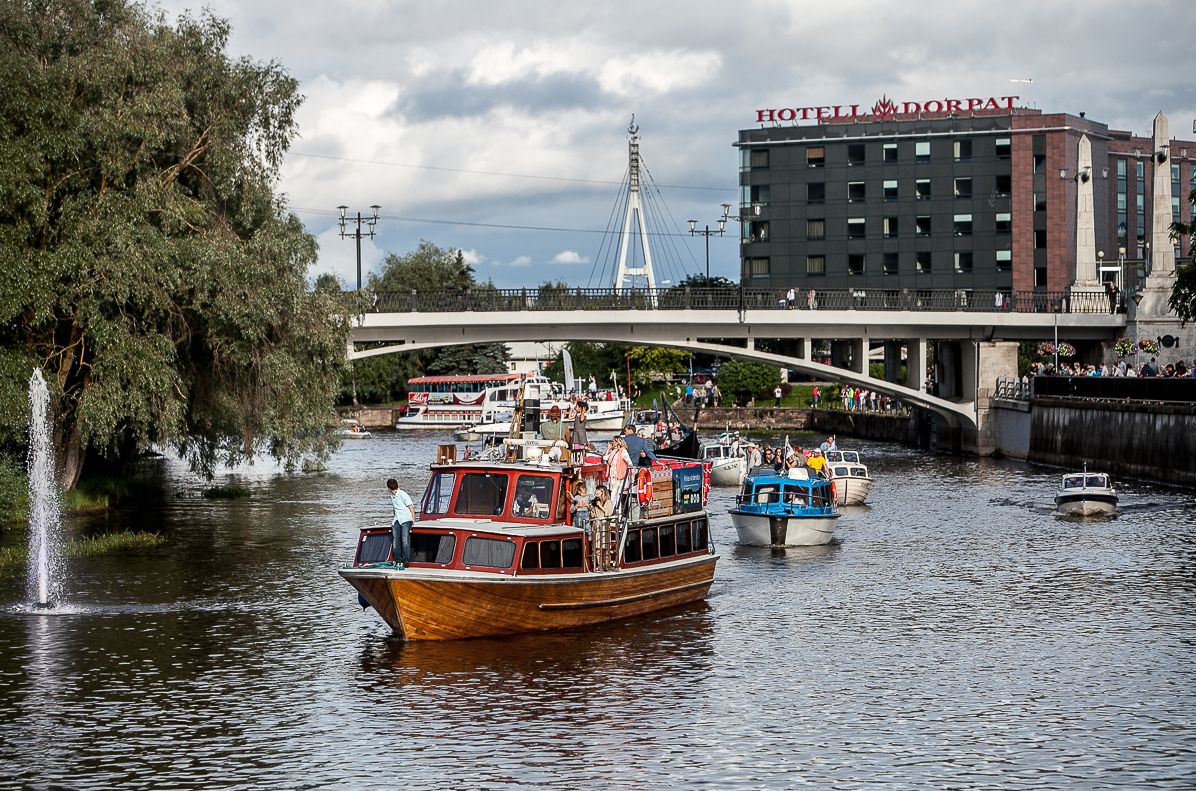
<point x="983" y="198"/>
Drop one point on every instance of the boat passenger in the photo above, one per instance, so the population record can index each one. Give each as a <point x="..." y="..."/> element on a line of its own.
<point x="552" y="427"/>
<point x="817" y="462"/>
<point x="579" y="424"/>
<point x="581" y="506"/>
<point x="619" y="466"/>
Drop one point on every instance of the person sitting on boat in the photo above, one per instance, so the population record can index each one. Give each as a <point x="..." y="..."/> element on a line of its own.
<point x="581" y="506"/>
<point x="525" y="504"/>
<point x="817" y="462"/>
<point x="552" y="427"/>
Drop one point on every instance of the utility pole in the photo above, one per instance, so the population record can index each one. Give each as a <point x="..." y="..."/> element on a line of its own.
<point x="358" y="233"/>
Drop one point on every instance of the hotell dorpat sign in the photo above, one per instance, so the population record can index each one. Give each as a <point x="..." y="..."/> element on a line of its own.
<point x="885" y="108"/>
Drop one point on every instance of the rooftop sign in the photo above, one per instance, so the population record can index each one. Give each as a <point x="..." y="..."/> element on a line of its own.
<point x="884" y="108"/>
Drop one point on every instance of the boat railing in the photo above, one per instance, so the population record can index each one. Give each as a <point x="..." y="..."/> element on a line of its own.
<point x="606" y="533"/>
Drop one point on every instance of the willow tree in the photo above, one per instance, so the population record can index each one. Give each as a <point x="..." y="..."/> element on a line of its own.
<point x="147" y="264"/>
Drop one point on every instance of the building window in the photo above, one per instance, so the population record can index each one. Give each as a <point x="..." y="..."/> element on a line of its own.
<point x="816" y="229"/>
<point x="963" y="225"/>
<point x="761" y="194"/>
<point x="1003" y="222"/>
<point x="922" y="262"/>
<point x="890" y="152"/>
<point x="816" y="265"/>
<point x="890" y="227"/>
<point x="963" y="150"/>
<point x="1003" y="185"/>
<point x="759" y="158"/>
<point x="922" y="226"/>
<point x="963" y="263"/>
<point x="855" y="264"/>
<point x="1040" y="278"/>
<point x="1040" y="163"/>
<point x="922" y="189"/>
<point x="890" y="190"/>
<point x="758" y="267"/>
<point x="1003" y="148"/>
<point x="1040" y="239"/>
<point x="890" y="263"/>
<point x="816" y="156"/>
<point x="855" y="154"/>
<point x="1039" y="201"/>
<point x="855" y="191"/>
<point x="1004" y="260"/>
<point x="963" y="187"/>
<point x="815" y="192"/>
<point x="855" y="228"/>
<point x="922" y="151"/>
<point x="759" y="230"/>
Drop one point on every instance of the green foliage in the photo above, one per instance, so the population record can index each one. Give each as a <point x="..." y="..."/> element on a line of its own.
<point x="591" y="359"/>
<point x="653" y="363"/>
<point x="742" y="381"/>
<point x="14" y="491"/>
<point x="225" y="492"/>
<point x="1183" y="293"/>
<point x="13" y="558"/>
<point x="149" y="266"/>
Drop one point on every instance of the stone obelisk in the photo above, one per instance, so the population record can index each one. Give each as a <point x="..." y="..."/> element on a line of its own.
<point x="1087" y="278"/>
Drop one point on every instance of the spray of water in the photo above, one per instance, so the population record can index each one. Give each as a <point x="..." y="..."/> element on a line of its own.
<point x="43" y="497"/>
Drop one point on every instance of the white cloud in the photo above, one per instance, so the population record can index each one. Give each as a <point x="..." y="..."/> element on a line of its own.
<point x="569" y="257"/>
<point x="472" y="257"/>
<point x="521" y="260"/>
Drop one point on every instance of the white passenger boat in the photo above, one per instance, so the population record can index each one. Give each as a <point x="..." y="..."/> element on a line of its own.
<point x="728" y="462"/>
<point x="1086" y="494"/>
<point x="449" y="402"/>
<point x="606" y="411"/>
<point x="849" y="476"/>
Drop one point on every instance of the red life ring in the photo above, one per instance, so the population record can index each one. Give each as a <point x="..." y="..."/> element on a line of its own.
<point x="834" y="497"/>
<point x="643" y="485"/>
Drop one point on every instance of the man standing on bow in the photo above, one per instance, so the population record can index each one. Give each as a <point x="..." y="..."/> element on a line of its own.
<point x="400" y="528"/>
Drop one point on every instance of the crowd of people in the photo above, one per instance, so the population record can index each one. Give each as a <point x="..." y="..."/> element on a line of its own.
<point x="1120" y="368"/>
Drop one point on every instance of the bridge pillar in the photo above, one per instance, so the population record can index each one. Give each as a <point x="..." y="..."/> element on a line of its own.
<point x="915" y="364"/>
<point x="859" y="355"/>
<point x="841" y="354"/>
<point x="893" y="361"/>
<point x="991" y="360"/>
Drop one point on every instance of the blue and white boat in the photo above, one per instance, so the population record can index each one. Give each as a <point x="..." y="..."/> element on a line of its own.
<point x="790" y="508"/>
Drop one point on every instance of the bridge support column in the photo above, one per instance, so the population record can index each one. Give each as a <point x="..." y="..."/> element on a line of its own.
<point x="859" y="356"/>
<point x="915" y="364"/>
<point x="893" y="361"/>
<point x="991" y="360"/>
<point x="841" y="354"/>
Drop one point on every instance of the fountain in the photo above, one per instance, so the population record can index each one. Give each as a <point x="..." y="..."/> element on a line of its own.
<point x="43" y="497"/>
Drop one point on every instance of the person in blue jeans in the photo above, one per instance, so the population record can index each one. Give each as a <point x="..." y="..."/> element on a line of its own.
<point x="400" y="529"/>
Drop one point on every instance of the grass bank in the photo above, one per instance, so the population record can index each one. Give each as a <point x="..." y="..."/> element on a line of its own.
<point x="125" y="541"/>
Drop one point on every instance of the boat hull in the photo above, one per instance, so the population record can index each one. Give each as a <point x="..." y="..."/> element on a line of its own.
<point x="852" y="491"/>
<point x="763" y="530"/>
<point x="430" y="604"/>
<point x="728" y="471"/>
<point x="1088" y="504"/>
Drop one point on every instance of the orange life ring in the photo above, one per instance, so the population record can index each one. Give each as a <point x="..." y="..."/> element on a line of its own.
<point x="643" y="485"/>
<point x="834" y="496"/>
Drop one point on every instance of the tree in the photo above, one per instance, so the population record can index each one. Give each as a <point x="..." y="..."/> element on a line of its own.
<point x="742" y="380"/>
<point x="1183" y="293"/>
<point x="149" y="267"/>
<point x="649" y="363"/>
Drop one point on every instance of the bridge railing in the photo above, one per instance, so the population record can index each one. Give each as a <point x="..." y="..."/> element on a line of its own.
<point x="1180" y="389"/>
<point x="1013" y="389"/>
<point x="681" y="298"/>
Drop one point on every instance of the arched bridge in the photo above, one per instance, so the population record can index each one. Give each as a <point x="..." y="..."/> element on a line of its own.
<point x="715" y="321"/>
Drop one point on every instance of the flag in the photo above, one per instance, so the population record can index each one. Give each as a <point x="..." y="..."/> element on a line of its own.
<point x="567" y="361"/>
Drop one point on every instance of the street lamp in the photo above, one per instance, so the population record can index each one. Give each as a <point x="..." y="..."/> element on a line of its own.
<point x="358" y="233"/>
<point x="722" y="226"/>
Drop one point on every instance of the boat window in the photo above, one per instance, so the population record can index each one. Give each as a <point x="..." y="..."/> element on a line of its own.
<point x="531" y="555"/>
<point x="648" y="541"/>
<point x="795" y="495"/>
<point x="668" y="542"/>
<point x="533" y="497"/>
<point x="374" y="547"/>
<point x="859" y="472"/>
<point x="482" y="494"/>
<point x="1096" y="482"/>
<point x="699" y="534"/>
<point x="767" y="493"/>
<point x="841" y="471"/>
<point x="550" y="554"/>
<point x="494" y="553"/>
<point x="1073" y="481"/>
<point x="571" y="553"/>
<point x="631" y="549"/>
<point x="683" y="539"/>
<point x="439" y="494"/>
<point x="432" y="547"/>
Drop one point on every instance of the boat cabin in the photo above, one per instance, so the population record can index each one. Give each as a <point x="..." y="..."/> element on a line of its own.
<point x="845" y="464"/>
<point x="795" y="487"/>
<point x="1089" y="480"/>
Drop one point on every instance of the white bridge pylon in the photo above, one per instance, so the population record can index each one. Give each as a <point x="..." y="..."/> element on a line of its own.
<point x="955" y="412"/>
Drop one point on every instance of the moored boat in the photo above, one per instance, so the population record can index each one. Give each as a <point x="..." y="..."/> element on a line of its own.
<point x="728" y="462"/>
<point x="494" y="552"/>
<point x="849" y="475"/>
<point x="1086" y="494"/>
<point x="792" y="508"/>
<point x="670" y="435"/>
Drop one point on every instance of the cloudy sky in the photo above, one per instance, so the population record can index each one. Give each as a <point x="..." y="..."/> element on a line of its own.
<point x="500" y="128"/>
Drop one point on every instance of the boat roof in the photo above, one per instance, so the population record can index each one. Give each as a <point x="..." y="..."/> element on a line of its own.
<point x="499" y="526"/>
<point x="467" y="378"/>
<point x="765" y="475"/>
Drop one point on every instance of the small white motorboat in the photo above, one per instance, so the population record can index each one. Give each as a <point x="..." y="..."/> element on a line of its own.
<point x="728" y="462"/>
<point x="849" y="476"/>
<point x="351" y="429"/>
<point x="1086" y="494"/>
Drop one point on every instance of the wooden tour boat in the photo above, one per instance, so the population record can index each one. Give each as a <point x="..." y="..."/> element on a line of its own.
<point x="493" y="552"/>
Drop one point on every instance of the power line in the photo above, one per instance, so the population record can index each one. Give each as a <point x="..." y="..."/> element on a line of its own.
<point x="495" y="173"/>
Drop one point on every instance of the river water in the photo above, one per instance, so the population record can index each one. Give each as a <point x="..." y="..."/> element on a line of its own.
<point x="956" y="635"/>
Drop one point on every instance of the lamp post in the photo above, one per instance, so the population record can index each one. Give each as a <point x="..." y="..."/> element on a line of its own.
<point x="358" y="233"/>
<point x="722" y="226"/>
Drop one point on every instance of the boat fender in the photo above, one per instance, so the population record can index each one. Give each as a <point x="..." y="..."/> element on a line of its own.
<point x="644" y="485"/>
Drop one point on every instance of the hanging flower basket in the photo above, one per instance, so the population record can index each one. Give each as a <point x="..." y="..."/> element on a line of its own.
<point x="1048" y="349"/>
<point x="1149" y="346"/>
<point x="1123" y="347"/>
<point x="1066" y="350"/>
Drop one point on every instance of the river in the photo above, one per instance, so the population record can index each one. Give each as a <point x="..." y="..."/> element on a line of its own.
<point x="956" y="634"/>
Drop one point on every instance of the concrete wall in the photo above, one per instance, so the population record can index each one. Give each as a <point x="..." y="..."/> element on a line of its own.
<point x="1152" y="442"/>
<point x="1010" y="425"/>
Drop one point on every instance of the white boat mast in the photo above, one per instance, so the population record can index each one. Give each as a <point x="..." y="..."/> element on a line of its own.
<point x="626" y="273"/>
